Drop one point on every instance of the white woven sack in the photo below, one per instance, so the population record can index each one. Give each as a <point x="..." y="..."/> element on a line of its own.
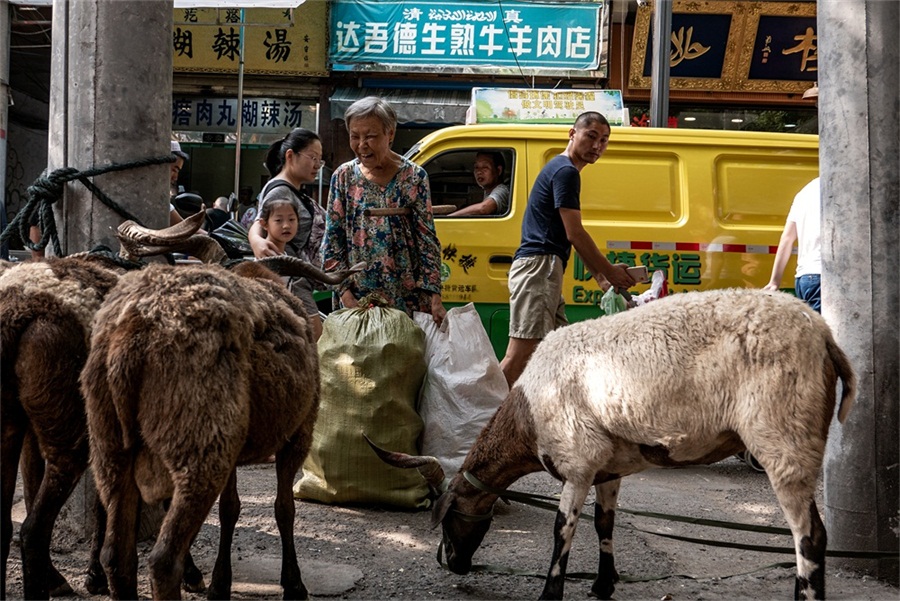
<point x="463" y="385"/>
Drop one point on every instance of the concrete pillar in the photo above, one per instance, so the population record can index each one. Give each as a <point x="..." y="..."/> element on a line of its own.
<point x="110" y="101"/>
<point x="859" y="101"/>
<point x="4" y="111"/>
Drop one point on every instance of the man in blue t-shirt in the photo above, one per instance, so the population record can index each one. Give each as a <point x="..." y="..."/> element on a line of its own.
<point x="550" y="228"/>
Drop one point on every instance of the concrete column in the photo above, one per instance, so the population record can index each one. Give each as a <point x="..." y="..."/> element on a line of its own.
<point x="859" y="101"/>
<point x="4" y="100"/>
<point x="110" y="101"/>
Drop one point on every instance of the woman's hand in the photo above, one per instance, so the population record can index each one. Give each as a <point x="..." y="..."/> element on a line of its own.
<point x="348" y="300"/>
<point x="262" y="247"/>
<point x="438" y="312"/>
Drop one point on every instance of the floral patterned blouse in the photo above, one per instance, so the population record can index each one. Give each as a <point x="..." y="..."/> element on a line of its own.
<point x="402" y="252"/>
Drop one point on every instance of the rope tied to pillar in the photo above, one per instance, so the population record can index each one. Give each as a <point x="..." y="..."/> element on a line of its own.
<point x="49" y="188"/>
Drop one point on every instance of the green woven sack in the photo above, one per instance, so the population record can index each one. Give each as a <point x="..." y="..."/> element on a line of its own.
<point x="372" y="363"/>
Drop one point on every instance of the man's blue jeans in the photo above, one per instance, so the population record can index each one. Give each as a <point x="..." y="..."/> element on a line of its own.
<point x="809" y="288"/>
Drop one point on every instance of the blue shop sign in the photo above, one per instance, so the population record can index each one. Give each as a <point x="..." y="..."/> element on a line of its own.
<point x="260" y="115"/>
<point x="466" y="36"/>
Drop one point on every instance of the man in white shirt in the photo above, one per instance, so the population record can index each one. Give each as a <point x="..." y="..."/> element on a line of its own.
<point x="803" y="226"/>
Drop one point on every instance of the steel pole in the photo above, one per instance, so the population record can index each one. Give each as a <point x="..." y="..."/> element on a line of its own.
<point x="659" y="71"/>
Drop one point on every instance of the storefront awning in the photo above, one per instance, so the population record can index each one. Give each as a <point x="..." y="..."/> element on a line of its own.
<point x="412" y="106"/>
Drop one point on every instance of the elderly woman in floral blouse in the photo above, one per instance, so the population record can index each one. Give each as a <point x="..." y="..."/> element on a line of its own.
<point x="402" y="252"/>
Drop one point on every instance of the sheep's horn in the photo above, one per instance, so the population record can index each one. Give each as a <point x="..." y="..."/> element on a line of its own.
<point x="203" y="247"/>
<point x="429" y="467"/>
<point x="293" y="267"/>
<point x="180" y="231"/>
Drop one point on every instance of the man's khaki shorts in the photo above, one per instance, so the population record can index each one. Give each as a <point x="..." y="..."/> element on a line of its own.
<point x="536" y="305"/>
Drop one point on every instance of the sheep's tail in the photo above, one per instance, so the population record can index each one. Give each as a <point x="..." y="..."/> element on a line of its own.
<point x="846" y="374"/>
<point x="11" y="328"/>
<point x="124" y="364"/>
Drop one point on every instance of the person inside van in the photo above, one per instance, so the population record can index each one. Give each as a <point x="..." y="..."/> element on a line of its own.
<point x="488" y="171"/>
<point x="551" y="226"/>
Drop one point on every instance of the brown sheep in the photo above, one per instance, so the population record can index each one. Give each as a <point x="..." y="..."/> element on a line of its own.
<point x="689" y="379"/>
<point x="45" y="314"/>
<point x="193" y="371"/>
<point x="46" y="309"/>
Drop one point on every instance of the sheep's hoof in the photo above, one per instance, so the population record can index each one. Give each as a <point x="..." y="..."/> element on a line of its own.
<point x="603" y="590"/>
<point x="58" y="585"/>
<point x="194" y="587"/>
<point x="296" y="593"/>
<point x="95" y="582"/>
<point x="95" y="586"/>
<point x="192" y="581"/>
<point x="218" y="592"/>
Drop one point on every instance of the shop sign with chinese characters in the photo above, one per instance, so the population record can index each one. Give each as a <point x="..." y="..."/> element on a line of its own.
<point x="540" y="38"/>
<point x="276" y="41"/>
<point x="260" y="115"/>
<point x="507" y="105"/>
<point x="732" y="46"/>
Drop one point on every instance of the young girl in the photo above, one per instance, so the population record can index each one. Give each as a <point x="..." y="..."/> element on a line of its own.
<point x="279" y="220"/>
<point x="293" y="161"/>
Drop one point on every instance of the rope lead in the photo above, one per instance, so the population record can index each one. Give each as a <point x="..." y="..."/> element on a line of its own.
<point x="48" y="189"/>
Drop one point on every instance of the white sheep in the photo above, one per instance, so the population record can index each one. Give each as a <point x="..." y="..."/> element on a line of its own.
<point x="689" y="379"/>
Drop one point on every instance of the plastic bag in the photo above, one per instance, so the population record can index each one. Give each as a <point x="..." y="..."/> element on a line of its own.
<point x="372" y="363"/>
<point x="612" y="302"/>
<point x="463" y="386"/>
<point x="658" y="289"/>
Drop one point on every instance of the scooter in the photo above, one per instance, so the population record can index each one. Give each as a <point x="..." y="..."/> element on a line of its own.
<point x="231" y="235"/>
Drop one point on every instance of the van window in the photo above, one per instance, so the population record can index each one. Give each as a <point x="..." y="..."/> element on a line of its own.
<point x="452" y="178"/>
<point x="742" y="199"/>
<point x="634" y="186"/>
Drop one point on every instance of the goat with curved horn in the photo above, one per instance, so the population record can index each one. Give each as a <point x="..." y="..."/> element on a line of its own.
<point x="285" y="265"/>
<point x="203" y="247"/>
<point x="429" y="467"/>
<point x="180" y="231"/>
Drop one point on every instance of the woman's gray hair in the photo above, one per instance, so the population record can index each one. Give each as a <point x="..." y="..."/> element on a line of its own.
<point x="372" y="106"/>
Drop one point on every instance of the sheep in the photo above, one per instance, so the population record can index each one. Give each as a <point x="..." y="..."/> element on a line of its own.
<point x="193" y="371"/>
<point x="46" y="310"/>
<point x="689" y="379"/>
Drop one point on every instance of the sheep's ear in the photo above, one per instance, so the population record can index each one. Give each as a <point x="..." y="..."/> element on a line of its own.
<point x="441" y="507"/>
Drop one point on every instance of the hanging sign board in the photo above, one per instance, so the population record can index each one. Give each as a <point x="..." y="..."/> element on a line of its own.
<point x="260" y="115"/>
<point x="509" y="37"/>
<point x="513" y="105"/>
<point x="276" y="41"/>
<point x="729" y="46"/>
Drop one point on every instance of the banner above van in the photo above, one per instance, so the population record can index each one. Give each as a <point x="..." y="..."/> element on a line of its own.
<point x="524" y="105"/>
<point x="412" y="106"/>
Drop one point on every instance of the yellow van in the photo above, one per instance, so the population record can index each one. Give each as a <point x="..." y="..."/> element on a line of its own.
<point x="706" y="206"/>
